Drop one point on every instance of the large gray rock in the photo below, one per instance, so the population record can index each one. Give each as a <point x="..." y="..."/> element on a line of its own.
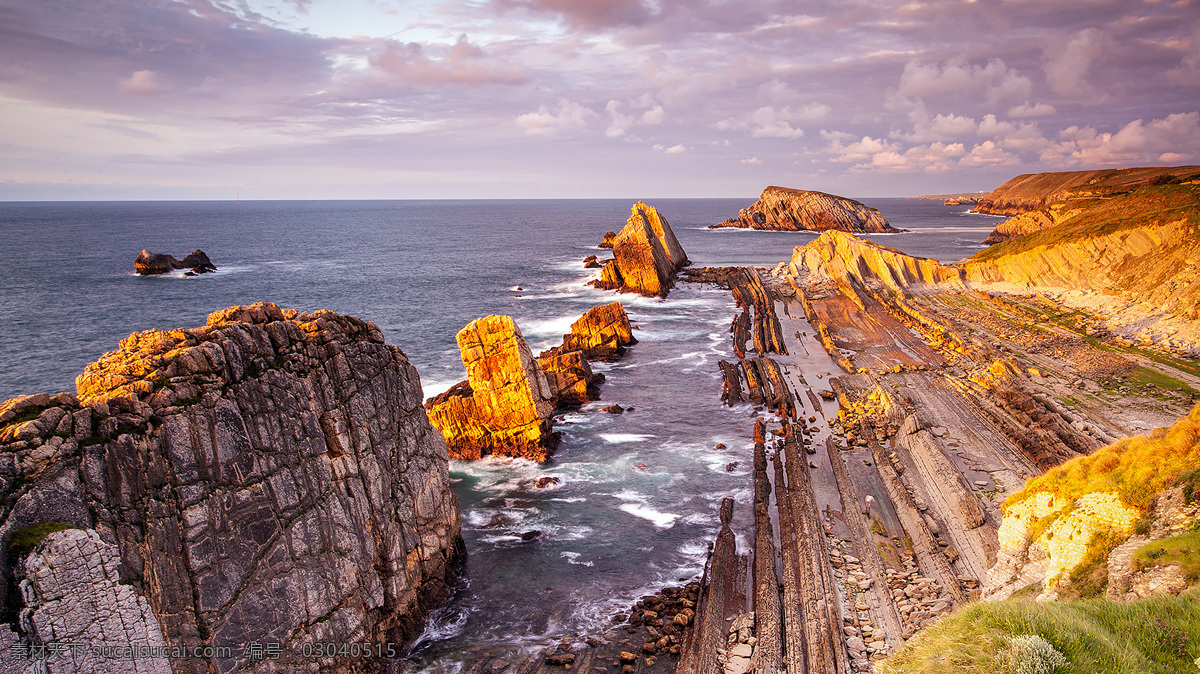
<point x="270" y="477"/>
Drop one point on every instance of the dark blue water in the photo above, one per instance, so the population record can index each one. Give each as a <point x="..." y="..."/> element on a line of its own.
<point x="421" y="270"/>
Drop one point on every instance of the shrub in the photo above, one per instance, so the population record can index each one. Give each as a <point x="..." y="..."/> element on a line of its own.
<point x="1032" y="654"/>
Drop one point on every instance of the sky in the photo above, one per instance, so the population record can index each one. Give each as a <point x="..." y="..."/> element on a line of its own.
<point x="350" y="99"/>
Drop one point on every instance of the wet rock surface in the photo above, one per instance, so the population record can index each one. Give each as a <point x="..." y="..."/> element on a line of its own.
<point x="148" y="263"/>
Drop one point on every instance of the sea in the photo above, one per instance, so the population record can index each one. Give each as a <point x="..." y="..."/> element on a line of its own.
<point x="635" y="506"/>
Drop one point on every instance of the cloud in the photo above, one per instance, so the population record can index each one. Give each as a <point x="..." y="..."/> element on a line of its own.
<point x="585" y="14"/>
<point x="772" y="122"/>
<point x="1188" y="70"/>
<point x="652" y="114"/>
<point x="674" y="149"/>
<point x="1026" y="110"/>
<point x="938" y="127"/>
<point x="568" y="116"/>
<point x="1173" y="139"/>
<point x="995" y="80"/>
<point x="751" y="160"/>
<point x="988" y="153"/>
<point x="1067" y="66"/>
<point x="142" y="83"/>
<point x="459" y="63"/>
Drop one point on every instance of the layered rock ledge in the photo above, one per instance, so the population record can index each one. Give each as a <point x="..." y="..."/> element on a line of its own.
<point x="789" y="210"/>
<point x="1032" y="191"/>
<point x="269" y="477"/>
<point x="646" y="255"/>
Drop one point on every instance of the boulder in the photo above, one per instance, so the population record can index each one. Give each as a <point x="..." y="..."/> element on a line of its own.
<point x="785" y="209"/>
<point x="570" y="376"/>
<point x="610" y="237"/>
<point x="646" y="255"/>
<point x="507" y="410"/>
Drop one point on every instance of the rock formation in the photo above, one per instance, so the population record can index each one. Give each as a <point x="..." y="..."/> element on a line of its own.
<point x="788" y="210"/>
<point x="838" y="256"/>
<point x="610" y="237"/>
<point x="1089" y="506"/>
<point x="602" y="333"/>
<point x="148" y="263"/>
<point x="1033" y="191"/>
<point x="269" y="477"/>
<point x="646" y="255"/>
<point x="504" y="406"/>
<point x="1141" y="245"/>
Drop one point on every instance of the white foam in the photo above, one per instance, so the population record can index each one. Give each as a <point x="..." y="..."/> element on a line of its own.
<point x="660" y="520"/>
<point x="618" y="438"/>
<point x="573" y="558"/>
<point x="573" y="499"/>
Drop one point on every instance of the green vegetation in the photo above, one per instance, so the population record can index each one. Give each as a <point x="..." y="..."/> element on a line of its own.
<point x="1182" y="549"/>
<point x="1104" y="216"/>
<point x="28" y="538"/>
<point x="1151" y="636"/>
<point x="1137" y="469"/>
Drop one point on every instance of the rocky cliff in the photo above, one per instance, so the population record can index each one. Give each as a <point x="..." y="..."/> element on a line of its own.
<point x="784" y="209"/>
<point x="267" y="478"/>
<point x="1033" y="191"/>
<point x="504" y="406"/>
<point x="1071" y="528"/>
<point x="646" y="255"/>
<point x="1142" y="245"/>
<point x="846" y="258"/>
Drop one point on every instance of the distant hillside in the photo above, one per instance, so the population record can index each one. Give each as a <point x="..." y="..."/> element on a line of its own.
<point x="1033" y="191"/>
<point x="1144" y="244"/>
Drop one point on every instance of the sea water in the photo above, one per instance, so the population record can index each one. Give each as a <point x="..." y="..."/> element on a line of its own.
<point x="635" y="506"/>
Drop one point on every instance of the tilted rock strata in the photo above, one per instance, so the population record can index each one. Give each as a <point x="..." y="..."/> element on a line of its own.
<point x="602" y="333"/>
<point x="1032" y="191"/>
<point x="846" y="258"/>
<point x="1030" y="222"/>
<point x="506" y="404"/>
<point x="646" y="255"/>
<point x="268" y="477"/>
<point x="789" y="210"/>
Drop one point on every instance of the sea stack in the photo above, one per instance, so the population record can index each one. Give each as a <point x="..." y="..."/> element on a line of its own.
<point x="646" y="255"/>
<point x="788" y="210"/>
<point x="149" y="264"/>
<point x="216" y="486"/>
<point x="504" y="406"/>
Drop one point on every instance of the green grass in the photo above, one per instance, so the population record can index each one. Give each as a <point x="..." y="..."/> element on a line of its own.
<point x="1182" y="549"/>
<point x="1101" y="217"/>
<point x="1151" y="636"/>
<point x="1136" y="469"/>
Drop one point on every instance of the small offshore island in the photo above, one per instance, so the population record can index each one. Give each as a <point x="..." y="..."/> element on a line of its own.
<point x="275" y="476"/>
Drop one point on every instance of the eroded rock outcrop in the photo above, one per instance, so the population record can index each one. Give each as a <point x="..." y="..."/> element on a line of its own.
<point x="846" y="258"/>
<point x="148" y="263"/>
<point x="784" y="209"/>
<point x="268" y="477"/>
<point x="602" y="333"/>
<point x="646" y="255"/>
<point x="504" y="406"/>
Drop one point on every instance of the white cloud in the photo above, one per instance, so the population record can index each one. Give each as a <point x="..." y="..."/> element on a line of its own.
<point x="1173" y="139"/>
<point x="458" y="63"/>
<point x="988" y="153"/>
<point x="776" y="122"/>
<point x="1026" y="110"/>
<point x="142" y="82"/>
<point x="674" y="149"/>
<point x="1188" y="70"/>
<point x="1067" y="66"/>
<point x="995" y="80"/>
<point x="938" y="128"/>
<point x="751" y="160"/>
<point x="568" y="116"/>
<point x="621" y="123"/>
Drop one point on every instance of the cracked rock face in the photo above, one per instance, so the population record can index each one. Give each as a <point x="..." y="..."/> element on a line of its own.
<point x="270" y="477"/>
<point x="646" y="255"/>
<point x="789" y="210"/>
